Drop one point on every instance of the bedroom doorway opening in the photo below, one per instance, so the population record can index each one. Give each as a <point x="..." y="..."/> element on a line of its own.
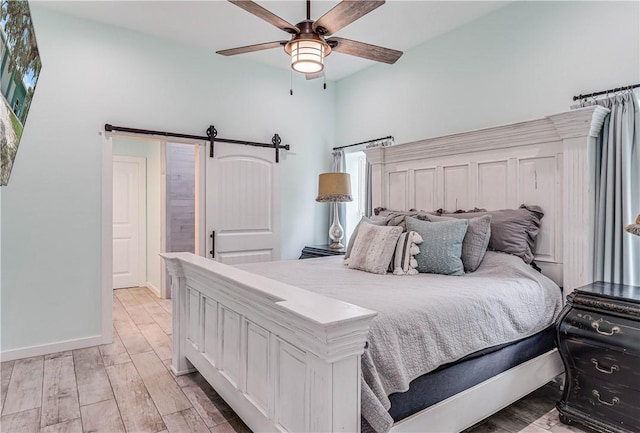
<point x="165" y="213"/>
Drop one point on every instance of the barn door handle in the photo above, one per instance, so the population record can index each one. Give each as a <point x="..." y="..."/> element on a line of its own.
<point x="213" y="244"/>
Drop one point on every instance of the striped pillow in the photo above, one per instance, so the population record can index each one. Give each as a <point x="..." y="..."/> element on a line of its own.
<point x="404" y="261"/>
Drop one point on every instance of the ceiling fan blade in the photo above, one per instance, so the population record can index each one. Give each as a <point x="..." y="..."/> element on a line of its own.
<point x="366" y="51"/>
<point x="314" y="75"/>
<point x="270" y="17"/>
<point x="251" y="48"/>
<point x="343" y="14"/>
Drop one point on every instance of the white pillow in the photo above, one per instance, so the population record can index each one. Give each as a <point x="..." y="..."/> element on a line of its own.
<point x="373" y="248"/>
<point x="377" y="221"/>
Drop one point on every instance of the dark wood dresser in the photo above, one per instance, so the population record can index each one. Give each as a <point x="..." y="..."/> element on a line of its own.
<point x="312" y="251"/>
<point x="598" y="336"/>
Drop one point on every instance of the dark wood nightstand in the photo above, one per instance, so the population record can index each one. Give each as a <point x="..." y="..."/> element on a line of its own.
<point x="598" y="337"/>
<point x="320" y="251"/>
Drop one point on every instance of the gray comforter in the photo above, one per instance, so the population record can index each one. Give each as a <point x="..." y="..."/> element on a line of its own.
<point x="427" y="320"/>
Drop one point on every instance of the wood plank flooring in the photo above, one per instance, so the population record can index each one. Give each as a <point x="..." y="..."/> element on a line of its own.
<point x="127" y="386"/>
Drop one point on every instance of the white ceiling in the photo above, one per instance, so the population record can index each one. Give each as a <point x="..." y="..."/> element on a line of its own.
<point x="216" y="25"/>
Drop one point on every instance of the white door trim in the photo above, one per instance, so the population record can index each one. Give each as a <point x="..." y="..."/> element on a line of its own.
<point x="141" y="277"/>
<point x="163" y="291"/>
<point x="106" y="261"/>
<point x="201" y="196"/>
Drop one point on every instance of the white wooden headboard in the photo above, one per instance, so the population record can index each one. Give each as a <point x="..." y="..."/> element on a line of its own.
<point x="546" y="162"/>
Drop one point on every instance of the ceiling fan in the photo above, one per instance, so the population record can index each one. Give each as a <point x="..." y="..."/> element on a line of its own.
<point x="310" y="42"/>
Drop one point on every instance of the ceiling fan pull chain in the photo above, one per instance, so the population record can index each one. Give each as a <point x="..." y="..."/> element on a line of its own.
<point x="291" y="86"/>
<point x="324" y="86"/>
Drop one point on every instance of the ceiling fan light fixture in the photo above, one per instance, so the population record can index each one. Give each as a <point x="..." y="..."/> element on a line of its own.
<point x="307" y="55"/>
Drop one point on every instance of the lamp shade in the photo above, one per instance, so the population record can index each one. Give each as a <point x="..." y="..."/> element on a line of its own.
<point x="634" y="229"/>
<point x="334" y="187"/>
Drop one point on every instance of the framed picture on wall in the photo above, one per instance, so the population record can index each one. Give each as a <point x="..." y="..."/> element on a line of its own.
<point x="19" y="70"/>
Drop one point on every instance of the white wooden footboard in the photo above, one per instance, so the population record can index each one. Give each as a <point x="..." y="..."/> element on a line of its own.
<point x="283" y="358"/>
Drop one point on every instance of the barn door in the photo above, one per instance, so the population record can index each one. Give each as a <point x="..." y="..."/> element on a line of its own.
<point x="242" y="204"/>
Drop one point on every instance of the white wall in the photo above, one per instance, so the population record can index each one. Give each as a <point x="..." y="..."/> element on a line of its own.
<point x="152" y="152"/>
<point x="93" y="74"/>
<point x="523" y="61"/>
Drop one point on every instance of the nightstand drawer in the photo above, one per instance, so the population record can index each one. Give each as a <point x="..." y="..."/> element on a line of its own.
<point x="604" y="400"/>
<point x="610" y="331"/>
<point x="612" y="365"/>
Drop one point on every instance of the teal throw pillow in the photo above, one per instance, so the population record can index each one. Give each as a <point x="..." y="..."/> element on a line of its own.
<point x="441" y="248"/>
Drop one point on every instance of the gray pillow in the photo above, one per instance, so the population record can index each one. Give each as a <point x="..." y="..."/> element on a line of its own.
<point x="373" y="248"/>
<point x="475" y="242"/>
<point x="397" y="217"/>
<point x="441" y="247"/>
<point x="377" y="221"/>
<point x="513" y="231"/>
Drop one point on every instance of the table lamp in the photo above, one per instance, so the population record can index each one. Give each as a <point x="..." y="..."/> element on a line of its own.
<point x="634" y="229"/>
<point x="334" y="188"/>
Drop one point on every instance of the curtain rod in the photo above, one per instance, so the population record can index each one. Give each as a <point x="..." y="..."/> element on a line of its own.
<point x="364" y="142"/>
<point x="604" y="92"/>
<point x="210" y="137"/>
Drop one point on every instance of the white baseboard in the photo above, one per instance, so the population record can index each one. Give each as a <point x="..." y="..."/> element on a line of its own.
<point x="154" y="289"/>
<point x="45" y="349"/>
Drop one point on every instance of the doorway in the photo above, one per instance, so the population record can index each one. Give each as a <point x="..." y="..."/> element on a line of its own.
<point x="165" y="210"/>
<point x="237" y="222"/>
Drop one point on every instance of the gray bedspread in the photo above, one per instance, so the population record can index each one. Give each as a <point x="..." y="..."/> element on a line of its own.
<point x="426" y="320"/>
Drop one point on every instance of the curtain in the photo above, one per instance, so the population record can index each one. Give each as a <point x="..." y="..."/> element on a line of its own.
<point x="617" y="189"/>
<point x="368" y="196"/>
<point x="339" y="165"/>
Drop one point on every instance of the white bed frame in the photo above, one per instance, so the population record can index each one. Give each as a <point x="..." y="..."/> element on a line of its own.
<point x="286" y="359"/>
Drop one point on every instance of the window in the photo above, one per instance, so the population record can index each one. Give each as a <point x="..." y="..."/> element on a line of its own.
<point x="356" y="164"/>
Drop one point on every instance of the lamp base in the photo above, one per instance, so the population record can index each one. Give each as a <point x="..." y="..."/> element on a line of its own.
<point x="335" y="231"/>
<point x="336" y="246"/>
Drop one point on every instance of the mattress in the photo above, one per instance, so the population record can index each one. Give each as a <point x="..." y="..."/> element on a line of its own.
<point x="450" y="379"/>
<point x="426" y="321"/>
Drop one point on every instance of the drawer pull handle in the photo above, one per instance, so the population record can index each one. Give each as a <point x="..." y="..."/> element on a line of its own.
<point x="596" y="326"/>
<point x="604" y="370"/>
<point x="614" y="400"/>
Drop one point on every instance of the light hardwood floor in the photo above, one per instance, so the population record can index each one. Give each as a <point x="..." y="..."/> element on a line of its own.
<point x="127" y="386"/>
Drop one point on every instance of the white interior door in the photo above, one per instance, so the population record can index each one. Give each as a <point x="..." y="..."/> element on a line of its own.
<point x="243" y="204"/>
<point x="129" y="201"/>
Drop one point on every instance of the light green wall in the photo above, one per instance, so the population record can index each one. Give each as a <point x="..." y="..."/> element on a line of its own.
<point x="523" y="61"/>
<point x="94" y="74"/>
<point x="152" y="152"/>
